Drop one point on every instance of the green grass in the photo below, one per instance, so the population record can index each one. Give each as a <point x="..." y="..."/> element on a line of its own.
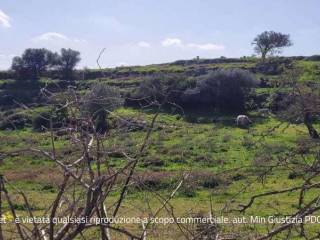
<point x="206" y="142"/>
<point x="311" y="71"/>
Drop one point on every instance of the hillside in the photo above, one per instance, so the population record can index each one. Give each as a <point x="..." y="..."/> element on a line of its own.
<point x="225" y="165"/>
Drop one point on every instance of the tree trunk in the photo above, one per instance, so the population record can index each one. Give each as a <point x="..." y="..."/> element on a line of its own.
<point x="308" y="122"/>
<point x="263" y="55"/>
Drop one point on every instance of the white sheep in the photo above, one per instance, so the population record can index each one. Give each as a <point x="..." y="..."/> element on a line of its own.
<point x="243" y="121"/>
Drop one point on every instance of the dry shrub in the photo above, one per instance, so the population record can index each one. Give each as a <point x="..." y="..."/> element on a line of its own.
<point x="153" y="180"/>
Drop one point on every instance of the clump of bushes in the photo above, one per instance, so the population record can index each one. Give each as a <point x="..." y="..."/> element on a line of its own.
<point x="164" y="180"/>
<point x="161" y="88"/>
<point x="273" y="66"/>
<point x="223" y="89"/>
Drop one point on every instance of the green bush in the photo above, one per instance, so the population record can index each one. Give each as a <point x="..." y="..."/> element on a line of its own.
<point x="161" y="88"/>
<point x="223" y="89"/>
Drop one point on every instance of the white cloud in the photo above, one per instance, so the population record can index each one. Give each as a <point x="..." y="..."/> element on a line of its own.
<point x="4" y="20"/>
<point x="50" y="36"/>
<point x="176" y="42"/>
<point x="206" y="46"/>
<point x="144" y="44"/>
<point x="171" y="42"/>
<point x="55" y="37"/>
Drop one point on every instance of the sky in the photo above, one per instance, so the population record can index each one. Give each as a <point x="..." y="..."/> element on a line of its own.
<point x="141" y="32"/>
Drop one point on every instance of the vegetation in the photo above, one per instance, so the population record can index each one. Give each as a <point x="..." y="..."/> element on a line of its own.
<point x="67" y="61"/>
<point x="99" y="102"/>
<point x="151" y="140"/>
<point x="224" y="89"/>
<point x="36" y="62"/>
<point x="33" y="63"/>
<point x="270" y="42"/>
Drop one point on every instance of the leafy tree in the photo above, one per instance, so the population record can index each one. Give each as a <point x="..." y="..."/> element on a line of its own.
<point x="68" y="60"/>
<point x="270" y="42"/>
<point x="99" y="102"/>
<point x="33" y="62"/>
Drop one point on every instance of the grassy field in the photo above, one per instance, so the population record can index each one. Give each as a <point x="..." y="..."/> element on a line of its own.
<point x="221" y="158"/>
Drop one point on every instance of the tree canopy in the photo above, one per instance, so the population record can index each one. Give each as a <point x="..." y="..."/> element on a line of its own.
<point x="270" y="42"/>
<point x="68" y="60"/>
<point x="35" y="61"/>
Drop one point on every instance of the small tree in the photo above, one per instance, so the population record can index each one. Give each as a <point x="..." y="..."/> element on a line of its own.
<point x="33" y="62"/>
<point x="68" y="60"/>
<point x="270" y="42"/>
<point x="99" y="102"/>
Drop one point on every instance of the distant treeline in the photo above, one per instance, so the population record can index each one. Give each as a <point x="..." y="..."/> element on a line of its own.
<point x="132" y="71"/>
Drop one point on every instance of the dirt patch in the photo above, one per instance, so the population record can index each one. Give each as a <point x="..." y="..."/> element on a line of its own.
<point x="40" y="175"/>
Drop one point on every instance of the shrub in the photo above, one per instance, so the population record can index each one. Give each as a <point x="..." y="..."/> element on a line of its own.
<point x="153" y="161"/>
<point x="293" y="175"/>
<point x="99" y="102"/>
<point x="221" y="89"/>
<point x="153" y="180"/>
<point x="210" y="182"/>
<point x="206" y="179"/>
<point x="161" y="87"/>
<point x="273" y="66"/>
